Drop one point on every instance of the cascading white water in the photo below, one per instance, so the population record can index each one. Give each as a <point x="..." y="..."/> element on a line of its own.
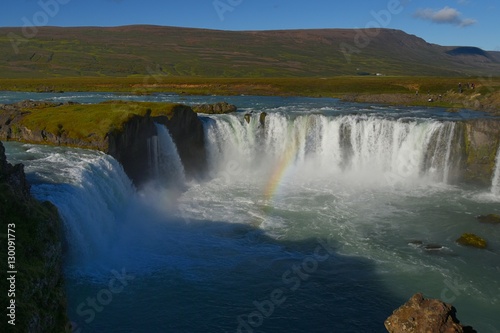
<point x="95" y="192"/>
<point x="164" y="161"/>
<point x="322" y="146"/>
<point x="495" y="183"/>
<point x="97" y="201"/>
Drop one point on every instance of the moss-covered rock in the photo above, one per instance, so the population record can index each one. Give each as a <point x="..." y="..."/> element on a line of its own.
<point x="472" y="240"/>
<point x="490" y="218"/>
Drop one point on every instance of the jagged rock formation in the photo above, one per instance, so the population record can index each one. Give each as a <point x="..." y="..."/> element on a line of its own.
<point x="40" y="304"/>
<point x="420" y="315"/>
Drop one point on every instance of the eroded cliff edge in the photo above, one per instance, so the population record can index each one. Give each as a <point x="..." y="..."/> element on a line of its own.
<point x="37" y="287"/>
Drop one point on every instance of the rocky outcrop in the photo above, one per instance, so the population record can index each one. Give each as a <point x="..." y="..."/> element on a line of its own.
<point x="420" y="315"/>
<point x="38" y="290"/>
<point x="490" y="218"/>
<point x="217" y="108"/>
<point x="472" y="240"/>
<point x="481" y="142"/>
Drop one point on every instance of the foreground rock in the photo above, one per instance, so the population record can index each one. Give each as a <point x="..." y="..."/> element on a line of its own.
<point x="490" y="218"/>
<point x="425" y="315"/>
<point x="472" y="240"/>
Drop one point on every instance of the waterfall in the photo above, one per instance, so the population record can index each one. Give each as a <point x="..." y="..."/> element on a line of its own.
<point x="164" y="161"/>
<point x="94" y="194"/>
<point x="325" y="146"/>
<point x="495" y="183"/>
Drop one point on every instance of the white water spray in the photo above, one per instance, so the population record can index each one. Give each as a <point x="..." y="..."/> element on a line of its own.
<point x="95" y="194"/>
<point x="495" y="183"/>
<point x="164" y="160"/>
<point x="359" y="146"/>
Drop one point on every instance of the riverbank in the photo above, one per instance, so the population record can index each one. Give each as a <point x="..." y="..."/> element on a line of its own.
<point x="405" y="91"/>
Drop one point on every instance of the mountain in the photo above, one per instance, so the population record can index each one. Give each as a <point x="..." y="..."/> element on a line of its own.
<point x="143" y="50"/>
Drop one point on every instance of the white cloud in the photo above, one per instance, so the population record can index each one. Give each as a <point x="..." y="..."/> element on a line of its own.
<point x="447" y="15"/>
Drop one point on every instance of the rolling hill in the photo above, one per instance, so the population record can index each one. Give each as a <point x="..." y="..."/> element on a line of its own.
<point x="142" y="50"/>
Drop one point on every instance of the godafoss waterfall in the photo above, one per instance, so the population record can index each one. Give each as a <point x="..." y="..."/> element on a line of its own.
<point x="317" y="216"/>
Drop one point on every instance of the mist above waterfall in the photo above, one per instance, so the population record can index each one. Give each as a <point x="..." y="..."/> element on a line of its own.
<point x="495" y="183"/>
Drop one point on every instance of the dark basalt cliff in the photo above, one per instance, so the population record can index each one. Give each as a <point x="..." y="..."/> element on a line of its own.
<point x="131" y="146"/>
<point x="187" y="131"/>
<point x="40" y="304"/>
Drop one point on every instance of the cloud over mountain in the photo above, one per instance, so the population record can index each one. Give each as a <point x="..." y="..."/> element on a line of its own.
<point x="446" y="15"/>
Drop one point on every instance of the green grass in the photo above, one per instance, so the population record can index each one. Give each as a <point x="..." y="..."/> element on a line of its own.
<point x="312" y="86"/>
<point x="140" y="50"/>
<point x="398" y="90"/>
<point x="86" y="121"/>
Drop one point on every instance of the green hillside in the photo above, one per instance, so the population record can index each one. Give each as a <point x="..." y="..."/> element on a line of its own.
<point x="147" y="50"/>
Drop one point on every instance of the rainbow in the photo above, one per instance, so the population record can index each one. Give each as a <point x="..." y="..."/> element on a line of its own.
<point x="279" y="172"/>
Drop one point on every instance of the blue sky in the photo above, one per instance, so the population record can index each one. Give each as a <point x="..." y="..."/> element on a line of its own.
<point x="445" y="22"/>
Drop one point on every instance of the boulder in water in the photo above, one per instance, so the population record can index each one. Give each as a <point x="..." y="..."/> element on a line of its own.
<point x="472" y="240"/>
<point x="490" y="218"/>
<point x="262" y="119"/>
<point x="247" y="118"/>
<point x="433" y="247"/>
<point x="425" y="315"/>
